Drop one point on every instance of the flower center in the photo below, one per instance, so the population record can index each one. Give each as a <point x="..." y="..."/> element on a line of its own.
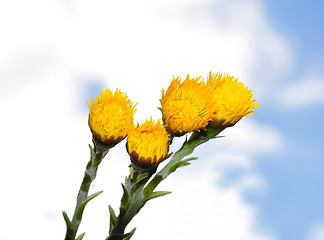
<point x="185" y="113"/>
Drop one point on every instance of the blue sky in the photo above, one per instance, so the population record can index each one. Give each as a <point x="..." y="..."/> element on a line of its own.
<point x="295" y="199"/>
<point x="264" y="179"/>
<point x="301" y="22"/>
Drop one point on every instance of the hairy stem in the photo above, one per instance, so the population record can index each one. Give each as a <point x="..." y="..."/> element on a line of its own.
<point x="137" y="192"/>
<point x="176" y="161"/>
<point x="96" y="157"/>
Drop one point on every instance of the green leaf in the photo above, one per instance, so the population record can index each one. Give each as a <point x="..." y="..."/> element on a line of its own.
<point x="186" y="162"/>
<point x="183" y="164"/>
<point x="129" y="235"/>
<point x="84" y="203"/>
<point x="80" y="237"/>
<point x="141" y="177"/>
<point x="189" y="159"/>
<point x="91" y="150"/>
<point x="131" y="171"/>
<point x="125" y="197"/>
<point x="113" y="218"/>
<point x="67" y="220"/>
<point x="212" y="132"/>
<point x="158" y="194"/>
<point x="151" y="186"/>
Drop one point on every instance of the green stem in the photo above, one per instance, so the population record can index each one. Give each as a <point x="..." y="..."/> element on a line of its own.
<point x="97" y="154"/>
<point x="136" y="194"/>
<point x="176" y="161"/>
<point x="131" y="203"/>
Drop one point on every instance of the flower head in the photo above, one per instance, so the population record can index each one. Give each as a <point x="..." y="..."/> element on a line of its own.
<point x="111" y="116"/>
<point x="148" y="144"/>
<point x="185" y="106"/>
<point x="231" y="100"/>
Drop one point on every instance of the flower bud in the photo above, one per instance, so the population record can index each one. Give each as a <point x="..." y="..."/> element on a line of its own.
<point x="231" y="100"/>
<point x="185" y="106"/>
<point x="111" y="117"/>
<point x="148" y="144"/>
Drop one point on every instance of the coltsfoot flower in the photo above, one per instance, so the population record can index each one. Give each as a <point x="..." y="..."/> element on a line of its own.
<point x="111" y="116"/>
<point x="231" y="100"/>
<point x="186" y="106"/>
<point x="148" y="144"/>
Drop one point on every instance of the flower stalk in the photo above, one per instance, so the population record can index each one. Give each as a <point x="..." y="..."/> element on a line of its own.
<point x="197" y="138"/>
<point x="96" y="156"/>
<point x="132" y="201"/>
<point x="202" y="108"/>
<point x="137" y="192"/>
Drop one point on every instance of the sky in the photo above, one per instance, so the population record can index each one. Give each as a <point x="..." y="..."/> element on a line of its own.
<point x="262" y="181"/>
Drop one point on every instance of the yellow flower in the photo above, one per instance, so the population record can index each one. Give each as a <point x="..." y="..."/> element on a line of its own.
<point x="148" y="144"/>
<point x="231" y="101"/>
<point x="185" y="106"/>
<point x="111" y="116"/>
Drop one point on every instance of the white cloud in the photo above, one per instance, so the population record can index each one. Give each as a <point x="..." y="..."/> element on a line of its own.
<point x="251" y="137"/>
<point x="240" y="145"/>
<point x="304" y="93"/>
<point x="197" y="210"/>
<point x="141" y="45"/>
<point x="136" y="46"/>
<point x="317" y="232"/>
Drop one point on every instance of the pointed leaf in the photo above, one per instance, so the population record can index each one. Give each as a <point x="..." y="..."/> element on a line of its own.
<point x="219" y="136"/>
<point x="130" y="234"/>
<point x="158" y="194"/>
<point x="153" y="183"/>
<point x="183" y="164"/>
<point x="141" y="177"/>
<point x="113" y="218"/>
<point x="212" y="132"/>
<point x="92" y="196"/>
<point x="80" y="237"/>
<point x="91" y="150"/>
<point x="189" y="159"/>
<point x="84" y="203"/>
<point x="105" y="153"/>
<point x="125" y="197"/>
<point x="67" y="220"/>
<point x="186" y="162"/>
<point x="131" y="171"/>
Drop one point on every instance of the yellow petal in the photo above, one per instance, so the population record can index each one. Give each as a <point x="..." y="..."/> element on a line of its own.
<point x="148" y="144"/>
<point x="111" y="116"/>
<point x="231" y="100"/>
<point x="186" y="105"/>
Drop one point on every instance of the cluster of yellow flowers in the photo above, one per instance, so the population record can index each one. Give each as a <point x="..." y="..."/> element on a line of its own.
<point x="186" y="106"/>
